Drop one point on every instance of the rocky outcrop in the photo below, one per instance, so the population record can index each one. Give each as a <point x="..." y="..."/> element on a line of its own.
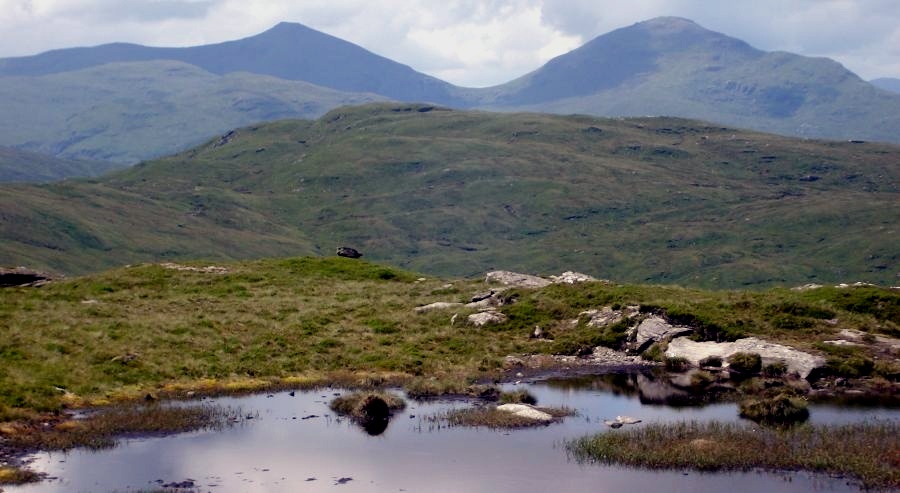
<point x="518" y="280"/>
<point x="515" y="279"/>
<point x="796" y="361"/>
<point x="655" y="329"/>
<point x="607" y="316"/>
<point x="489" y="317"/>
<point x="570" y="277"/>
<point x="348" y="252"/>
<point x="526" y="411"/>
<point x="209" y="269"/>
<point x="437" y="306"/>
<point x="21" y="276"/>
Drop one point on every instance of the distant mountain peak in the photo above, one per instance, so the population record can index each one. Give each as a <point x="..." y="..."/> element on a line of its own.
<point x="670" y="23"/>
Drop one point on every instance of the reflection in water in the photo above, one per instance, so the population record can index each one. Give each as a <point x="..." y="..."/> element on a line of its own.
<point x="651" y="386"/>
<point x="375" y="427"/>
<point x="280" y="451"/>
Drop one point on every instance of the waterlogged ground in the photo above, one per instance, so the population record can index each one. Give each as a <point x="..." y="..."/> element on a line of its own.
<point x="295" y="443"/>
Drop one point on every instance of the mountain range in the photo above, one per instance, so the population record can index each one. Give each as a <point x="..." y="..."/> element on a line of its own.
<point x="443" y="191"/>
<point x="126" y="103"/>
<point x="887" y="83"/>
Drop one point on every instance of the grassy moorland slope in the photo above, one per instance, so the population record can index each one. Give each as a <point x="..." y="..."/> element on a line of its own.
<point x="460" y="193"/>
<point x="150" y="327"/>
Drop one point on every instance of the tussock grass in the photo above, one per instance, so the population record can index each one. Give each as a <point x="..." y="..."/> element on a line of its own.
<point x="781" y="410"/>
<point x="100" y="430"/>
<point x="870" y="452"/>
<point x="518" y="397"/>
<point x="354" y="403"/>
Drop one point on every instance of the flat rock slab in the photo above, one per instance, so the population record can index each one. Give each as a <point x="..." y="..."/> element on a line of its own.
<point x="526" y="411"/>
<point x="486" y="318"/>
<point x="797" y="361"/>
<point x="437" y="306"/>
<point x="516" y="279"/>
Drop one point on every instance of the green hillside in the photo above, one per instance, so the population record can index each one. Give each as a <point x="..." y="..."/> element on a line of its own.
<point x="126" y="112"/>
<point x="30" y="167"/>
<point x="657" y="200"/>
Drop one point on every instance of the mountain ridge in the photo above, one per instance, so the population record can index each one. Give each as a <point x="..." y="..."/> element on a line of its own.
<point x="674" y="67"/>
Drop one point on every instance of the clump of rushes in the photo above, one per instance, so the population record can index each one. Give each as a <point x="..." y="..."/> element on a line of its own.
<point x="866" y="451"/>
<point x="425" y="388"/>
<point x="745" y="363"/>
<point x="490" y="417"/>
<point x="775" y="370"/>
<point x="362" y="405"/>
<point x="371" y="410"/>
<point x="676" y="363"/>
<point x="711" y="361"/>
<point x="781" y="410"/>
<point x="518" y="397"/>
<point x="101" y="429"/>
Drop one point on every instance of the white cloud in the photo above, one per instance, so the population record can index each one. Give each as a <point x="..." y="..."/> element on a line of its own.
<point x="468" y="42"/>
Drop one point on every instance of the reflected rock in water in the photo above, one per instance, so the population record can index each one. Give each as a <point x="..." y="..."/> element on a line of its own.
<point x="651" y="387"/>
<point x="373" y="415"/>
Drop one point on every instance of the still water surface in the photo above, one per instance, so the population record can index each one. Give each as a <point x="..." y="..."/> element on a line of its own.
<point x="279" y="451"/>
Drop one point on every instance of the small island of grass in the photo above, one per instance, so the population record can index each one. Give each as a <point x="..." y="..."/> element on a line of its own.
<point x="867" y="451"/>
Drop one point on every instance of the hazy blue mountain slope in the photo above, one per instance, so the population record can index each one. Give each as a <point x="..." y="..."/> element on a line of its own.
<point x="28" y="167"/>
<point x="672" y="66"/>
<point x="126" y="112"/>
<point x="288" y="51"/>
<point x="887" y="83"/>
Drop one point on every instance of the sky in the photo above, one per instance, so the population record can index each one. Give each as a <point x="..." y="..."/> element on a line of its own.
<point x="466" y="42"/>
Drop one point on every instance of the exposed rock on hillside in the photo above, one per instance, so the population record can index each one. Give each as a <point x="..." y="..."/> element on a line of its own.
<point x="655" y="329"/>
<point x="348" y="252"/>
<point x="570" y="277"/>
<point x="436" y="306"/>
<point x="797" y="362"/>
<point x="516" y="279"/>
<point x="490" y="317"/>
<point x="519" y="280"/>
<point x="607" y="316"/>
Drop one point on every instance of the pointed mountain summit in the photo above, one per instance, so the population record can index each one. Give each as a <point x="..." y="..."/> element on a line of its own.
<point x="288" y="51"/>
<point x="620" y="57"/>
<point x="670" y="66"/>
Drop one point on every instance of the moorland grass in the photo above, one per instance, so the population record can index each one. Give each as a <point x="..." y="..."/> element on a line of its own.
<point x="457" y="193"/>
<point x="303" y="322"/>
<point x="101" y="429"/>
<point x="867" y="451"/>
